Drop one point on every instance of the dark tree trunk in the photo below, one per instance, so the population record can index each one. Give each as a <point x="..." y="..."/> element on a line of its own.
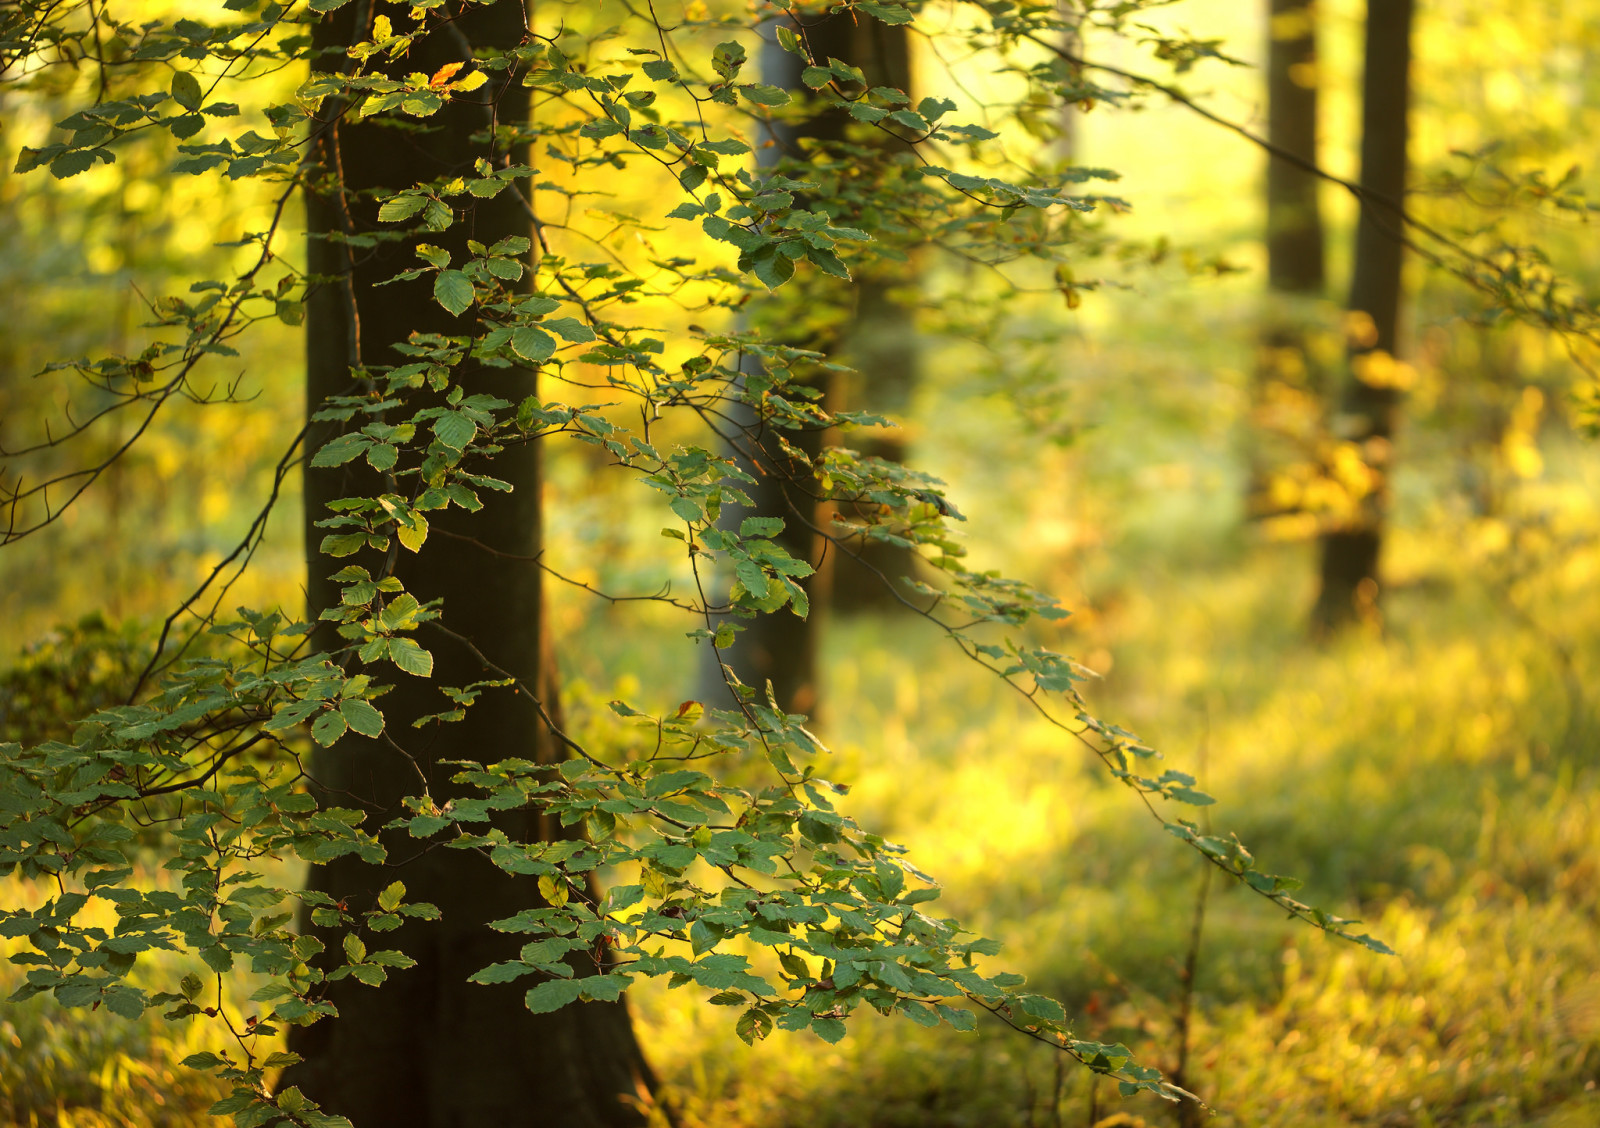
<point x="870" y="330"/>
<point x="1295" y="268"/>
<point x="1369" y="407"/>
<point x="428" y="1048"/>
<point x="1294" y="217"/>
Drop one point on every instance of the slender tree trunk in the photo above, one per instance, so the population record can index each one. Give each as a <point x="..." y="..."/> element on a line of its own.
<point x="1295" y="268"/>
<point x="429" y="1048"/>
<point x="866" y="327"/>
<point x="1369" y="407"/>
<point x="1294" y="216"/>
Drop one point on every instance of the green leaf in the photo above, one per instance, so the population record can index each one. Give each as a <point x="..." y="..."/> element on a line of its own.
<point x="753" y="1025"/>
<point x="186" y="90"/>
<point x="455" y="430"/>
<point x="816" y="77"/>
<point x="830" y="1030"/>
<point x="570" y="329"/>
<point x="552" y="995"/>
<point x="532" y="344"/>
<point x="341" y="449"/>
<point x="763" y="95"/>
<point x="453" y="290"/>
<point x="362" y="717"/>
<point x="761" y="526"/>
<point x="389" y="900"/>
<point x="410" y="657"/>
<point x="398" y="208"/>
<point x="885" y="13"/>
<point x="70" y="164"/>
<point x="327" y="728"/>
<point x="829" y="262"/>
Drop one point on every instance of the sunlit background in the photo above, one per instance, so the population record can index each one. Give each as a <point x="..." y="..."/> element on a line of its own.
<point x="1435" y="777"/>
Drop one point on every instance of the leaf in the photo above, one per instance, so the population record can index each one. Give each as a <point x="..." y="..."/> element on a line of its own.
<point x="830" y="1030"/>
<point x="816" y="77"/>
<point x="455" y="430"/>
<point x="570" y="329"/>
<point x="186" y="90"/>
<point x="552" y="995"/>
<point x="401" y="207"/>
<point x="453" y="290"/>
<point x="885" y="13"/>
<point x="362" y="717"/>
<point x="829" y="262"/>
<point x="389" y="900"/>
<point x="327" y="728"/>
<point x="753" y="1025"/>
<point x="532" y="344"/>
<point x="553" y="889"/>
<point x="341" y="449"/>
<point x="70" y="164"/>
<point x="410" y="657"/>
<point x="763" y="95"/>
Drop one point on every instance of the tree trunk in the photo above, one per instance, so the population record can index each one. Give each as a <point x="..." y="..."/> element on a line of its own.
<point x="1295" y="268"/>
<point x="429" y="1048"/>
<point x="868" y="329"/>
<point x="1369" y="407"/>
<point x="1294" y="217"/>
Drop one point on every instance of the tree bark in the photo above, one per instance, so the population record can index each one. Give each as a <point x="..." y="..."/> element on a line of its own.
<point x="428" y="1048"/>
<point x="1369" y="406"/>
<point x="1294" y="239"/>
<point x="868" y="329"/>
<point x="1294" y="216"/>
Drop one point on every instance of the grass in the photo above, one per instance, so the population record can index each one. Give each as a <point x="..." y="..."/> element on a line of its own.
<point x="1439" y="781"/>
<point x="78" y="1068"/>
<point x="1429" y="781"/>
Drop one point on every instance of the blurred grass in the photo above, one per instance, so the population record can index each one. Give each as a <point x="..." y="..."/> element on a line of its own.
<point x="1439" y="782"/>
<point x="81" y="1068"/>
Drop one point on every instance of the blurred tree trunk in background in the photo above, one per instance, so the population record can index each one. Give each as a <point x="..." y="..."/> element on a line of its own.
<point x="1294" y="217"/>
<point x="1284" y="375"/>
<point x="861" y="324"/>
<point x="430" y="1048"/>
<point x="1369" y="405"/>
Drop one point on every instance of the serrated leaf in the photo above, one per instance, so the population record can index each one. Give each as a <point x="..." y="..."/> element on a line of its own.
<point x="410" y="657"/>
<point x="401" y="207"/>
<point x="341" y="449"/>
<point x="830" y="1030"/>
<point x="532" y="344"/>
<point x="327" y="728"/>
<point x="570" y="329"/>
<point x="389" y="900"/>
<point x="361" y="716"/>
<point x="454" y="429"/>
<point x="886" y="13"/>
<point x="552" y="995"/>
<point x="763" y="95"/>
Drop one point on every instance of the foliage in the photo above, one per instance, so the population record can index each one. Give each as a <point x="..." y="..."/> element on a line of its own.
<point x="764" y="895"/>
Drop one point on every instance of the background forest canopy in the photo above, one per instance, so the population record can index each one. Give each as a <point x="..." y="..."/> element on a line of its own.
<point x="373" y="746"/>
